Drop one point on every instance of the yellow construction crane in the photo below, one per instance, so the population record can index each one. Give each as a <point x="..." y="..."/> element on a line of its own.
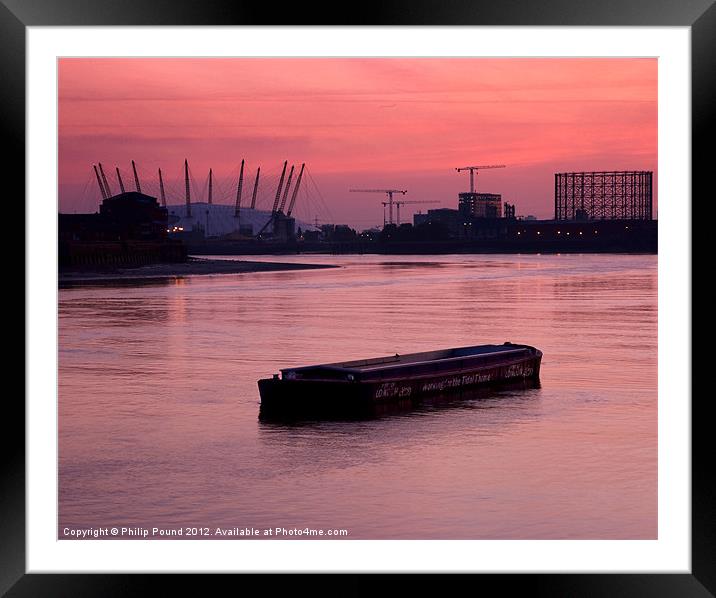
<point x="389" y="192"/>
<point x="399" y="203"/>
<point x="472" y="170"/>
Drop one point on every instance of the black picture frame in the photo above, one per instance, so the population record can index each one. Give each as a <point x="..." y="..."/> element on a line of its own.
<point x="699" y="15"/>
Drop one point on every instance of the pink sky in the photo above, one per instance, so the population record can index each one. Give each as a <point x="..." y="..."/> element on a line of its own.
<point x="367" y="123"/>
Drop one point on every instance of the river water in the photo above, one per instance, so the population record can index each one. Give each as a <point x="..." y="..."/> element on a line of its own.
<point x="158" y="402"/>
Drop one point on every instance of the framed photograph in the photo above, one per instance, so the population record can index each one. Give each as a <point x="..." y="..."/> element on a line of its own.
<point x="410" y="294"/>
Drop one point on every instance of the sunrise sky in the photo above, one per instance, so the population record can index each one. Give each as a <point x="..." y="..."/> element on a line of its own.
<point x="368" y="123"/>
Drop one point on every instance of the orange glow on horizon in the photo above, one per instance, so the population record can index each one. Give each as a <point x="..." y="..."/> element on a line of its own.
<point x="403" y="123"/>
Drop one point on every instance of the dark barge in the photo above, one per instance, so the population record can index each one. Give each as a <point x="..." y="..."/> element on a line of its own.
<point x="364" y="386"/>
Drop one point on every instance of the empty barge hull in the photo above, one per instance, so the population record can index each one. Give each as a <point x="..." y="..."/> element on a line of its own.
<point x="360" y="386"/>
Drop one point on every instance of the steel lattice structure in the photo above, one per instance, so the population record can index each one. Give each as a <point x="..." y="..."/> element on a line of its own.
<point x="616" y="195"/>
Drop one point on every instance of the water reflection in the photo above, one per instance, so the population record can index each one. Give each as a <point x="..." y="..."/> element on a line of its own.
<point x="158" y="401"/>
<point x="471" y="398"/>
<point x="313" y="444"/>
<point x="112" y="283"/>
<point x="410" y="265"/>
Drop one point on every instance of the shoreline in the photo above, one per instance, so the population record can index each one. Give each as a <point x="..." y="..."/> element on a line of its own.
<point x="192" y="267"/>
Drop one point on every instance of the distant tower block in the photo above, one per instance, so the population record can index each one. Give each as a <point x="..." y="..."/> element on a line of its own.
<point x="480" y="205"/>
<point x="607" y="195"/>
